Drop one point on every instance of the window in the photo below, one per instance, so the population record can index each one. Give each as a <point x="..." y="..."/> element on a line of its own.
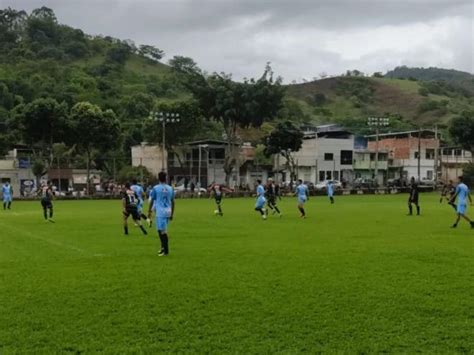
<point x="429" y="174"/>
<point x="328" y="156"/>
<point x="346" y="157"/>
<point x="416" y="155"/>
<point x="328" y="175"/>
<point x="321" y="175"/>
<point x="336" y="175"/>
<point x="430" y="154"/>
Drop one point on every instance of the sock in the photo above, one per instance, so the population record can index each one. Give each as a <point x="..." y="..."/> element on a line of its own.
<point x="418" y="210"/>
<point x="454" y="206"/>
<point x="9" y="205"/>
<point x="45" y="213"/>
<point x="332" y="199"/>
<point x="410" y="208"/>
<point x="165" y="243"/>
<point x="143" y="216"/>
<point x="143" y="230"/>
<point x="125" y="230"/>
<point x="302" y="211"/>
<point x="219" y="208"/>
<point x="50" y="213"/>
<point x="276" y="209"/>
<point x="162" y="242"/>
<point x="260" y="210"/>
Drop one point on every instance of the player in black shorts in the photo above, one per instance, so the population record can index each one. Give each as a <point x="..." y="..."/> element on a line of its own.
<point x="46" y="193"/>
<point x="217" y="191"/>
<point x="272" y="193"/>
<point x="413" y="199"/>
<point x="448" y="193"/>
<point x="130" y="208"/>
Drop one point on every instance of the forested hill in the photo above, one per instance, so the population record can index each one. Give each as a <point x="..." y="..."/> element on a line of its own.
<point x="43" y="59"/>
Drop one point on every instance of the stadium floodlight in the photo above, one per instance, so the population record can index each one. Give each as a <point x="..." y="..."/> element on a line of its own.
<point x="164" y="118"/>
<point x="377" y="122"/>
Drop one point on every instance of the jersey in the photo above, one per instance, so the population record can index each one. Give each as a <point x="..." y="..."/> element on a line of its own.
<point x="414" y="192"/>
<point x="301" y="191"/>
<point x="138" y="191"/>
<point x="46" y="193"/>
<point x="162" y="196"/>
<point x="260" y="191"/>
<point x="217" y="189"/>
<point x="6" y="190"/>
<point x="330" y="188"/>
<point x="131" y="199"/>
<point x="463" y="192"/>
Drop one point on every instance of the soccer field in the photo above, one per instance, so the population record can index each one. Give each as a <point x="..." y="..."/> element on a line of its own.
<point x="357" y="276"/>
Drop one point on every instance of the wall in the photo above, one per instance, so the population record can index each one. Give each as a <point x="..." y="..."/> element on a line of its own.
<point x="149" y="156"/>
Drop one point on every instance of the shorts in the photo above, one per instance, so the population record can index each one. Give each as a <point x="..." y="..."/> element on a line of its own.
<point x="413" y="200"/>
<point x="7" y="199"/>
<point x="140" y="206"/>
<point x="130" y="211"/>
<point x="260" y="202"/>
<point x="218" y="199"/>
<point x="302" y="199"/>
<point x="46" y="204"/>
<point x="162" y="223"/>
<point x="272" y="200"/>
<point x="461" y="209"/>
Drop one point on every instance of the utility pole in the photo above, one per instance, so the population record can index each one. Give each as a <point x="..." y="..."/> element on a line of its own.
<point x="419" y="154"/>
<point x="377" y="122"/>
<point x="436" y="157"/>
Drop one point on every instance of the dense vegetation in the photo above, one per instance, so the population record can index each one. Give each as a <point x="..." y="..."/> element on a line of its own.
<point x="50" y="74"/>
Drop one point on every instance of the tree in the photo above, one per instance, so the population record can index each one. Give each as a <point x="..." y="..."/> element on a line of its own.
<point x="234" y="104"/>
<point x="95" y="129"/>
<point x="461" y="130"/>
<point x="151" y="52"/>
<point x="284" y="140"/>
<point x="43" y="123"/>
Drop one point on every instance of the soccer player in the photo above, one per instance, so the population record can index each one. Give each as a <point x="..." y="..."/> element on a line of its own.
<point x="261" y="200"/>
<point x="217" y="191"/>
<point x="162" y="200"/>
<point x="330" y="191"/>
<point x="462" y="194"/>
<point x="413" y="198"/>
<point x="448" y="192"/>
<point x="302" y="193"/>
<point x="272" y="194"/>
<point x="7" y="192"/>
<point x="46" y="192"/>
<point x="130" y="203"/>
<point x="138" y="189"/>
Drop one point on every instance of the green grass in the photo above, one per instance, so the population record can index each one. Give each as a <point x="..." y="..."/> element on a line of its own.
<point x="357" y="276"/>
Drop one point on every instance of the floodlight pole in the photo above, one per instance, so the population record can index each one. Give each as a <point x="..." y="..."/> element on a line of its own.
<point x="377" y="122"/>
<point x="164" y="118"/>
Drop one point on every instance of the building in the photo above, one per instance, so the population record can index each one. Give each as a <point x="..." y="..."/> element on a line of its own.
<point x="151" y="157"/>
<point x="15" y="168"/>
<point x="364" y="164"/>
<point x="452" y="161"/>
<point x="326" y="153"/>
<point x="410" y="153"/>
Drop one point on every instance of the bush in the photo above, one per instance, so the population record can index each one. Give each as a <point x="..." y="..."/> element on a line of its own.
<point x="468" y="173"/>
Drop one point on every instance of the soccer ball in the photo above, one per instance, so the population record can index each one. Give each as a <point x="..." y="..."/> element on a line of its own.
<point x="216" y="212"/>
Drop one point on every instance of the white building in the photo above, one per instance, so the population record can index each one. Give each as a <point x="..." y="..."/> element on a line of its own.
<point x="325" y="154"/>
<point x="150" y="156"/>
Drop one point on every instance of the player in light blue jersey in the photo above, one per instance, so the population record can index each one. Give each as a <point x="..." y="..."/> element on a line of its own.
<point x="261" y="200"/>
<point x="302" y="193"/>
<point x="7" y="194"/>
<point x="330" y="191"/>
<point x="162" y="201"/>
<point x="138" y="189"/>
<point x="462" y="194"/>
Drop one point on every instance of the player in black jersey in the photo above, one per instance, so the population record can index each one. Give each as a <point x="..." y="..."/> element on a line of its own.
<point x="46" y="193"/>
<point x="217" y="191"/>
<point x="272" y="192"/>
<point x="413" y="199"/>
<point x="448" y="193"/>
<point x="130" y="203"/>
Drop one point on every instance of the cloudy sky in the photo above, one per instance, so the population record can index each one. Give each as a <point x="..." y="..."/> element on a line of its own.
<point x="301" y="38"/>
